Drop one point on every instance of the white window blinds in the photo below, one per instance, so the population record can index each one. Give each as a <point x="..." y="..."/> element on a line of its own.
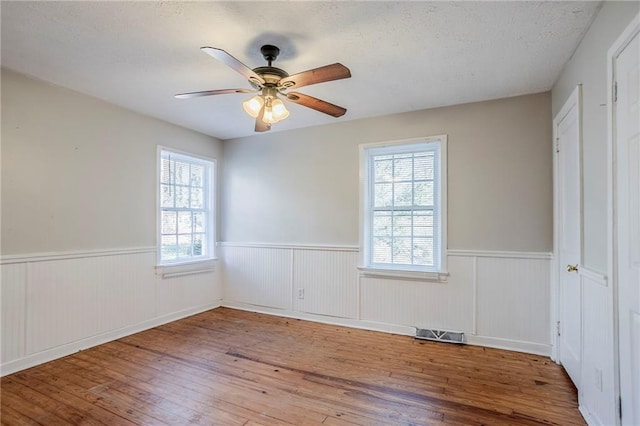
<point x="402" y="197"/>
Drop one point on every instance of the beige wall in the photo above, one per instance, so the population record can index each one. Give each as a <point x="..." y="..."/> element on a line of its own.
<point x="79" y="173"/>
<point x="588" y="67"/>
<point x="301" y="186"/>
<point x="71" y="164"/>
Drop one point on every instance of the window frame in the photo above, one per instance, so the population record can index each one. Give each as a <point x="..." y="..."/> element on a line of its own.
<point x="411" y="272"/>
<point x="210" y="194"/>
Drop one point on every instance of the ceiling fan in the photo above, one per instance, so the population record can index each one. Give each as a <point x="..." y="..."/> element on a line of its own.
<point x="269" y="81"/>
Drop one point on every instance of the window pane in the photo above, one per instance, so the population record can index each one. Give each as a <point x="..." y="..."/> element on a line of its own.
<point x="383" y="194"/>
<point x="402" y="250"/>
<point x="429" y="191"/>
<point x="423" y="167"/>
<point x="182" y="173"/>
<point x="198" y="222"/>
<point x="423" y="218"/>
<point x="402" y="224"/>
<point x="420" y="195"/>
<point x="402" y="168"/>
<point x="184" y="245"/>
<point x="198" y="244"/>
<point x="402" y="195"/>
<point x="169" y="248"/>
<point x="197" y="201"/>
<point x="166" y="170"/>
<point x="182" y="196"/>
<point x="423" y="193"/>
<point x="382" y="224"/>
<point x="169" y="224"/>
<point x="184" y="223"/>
<point x="383" y="170"/>
<point x="197" y="175"/>
<point x="423" y="231"/>
<point x="381" y="250"/>
<point x="166" y="195"/>
<point x="423" y="251"/>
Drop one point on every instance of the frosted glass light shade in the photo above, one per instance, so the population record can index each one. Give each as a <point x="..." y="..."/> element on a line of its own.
<point x="253" y="105"/>
<point x="268" y="115"/>
<point x="279" y="110"/>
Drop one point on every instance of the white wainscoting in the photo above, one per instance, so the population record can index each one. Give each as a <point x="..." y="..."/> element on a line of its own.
<point x="56" y="304"/>
<point x="498" y="299"/>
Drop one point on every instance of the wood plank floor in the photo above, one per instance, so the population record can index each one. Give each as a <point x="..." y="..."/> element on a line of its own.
<point x="229" y="367"/>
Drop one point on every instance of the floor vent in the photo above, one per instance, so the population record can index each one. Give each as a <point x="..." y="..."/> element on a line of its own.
<point x="440" y="336"/>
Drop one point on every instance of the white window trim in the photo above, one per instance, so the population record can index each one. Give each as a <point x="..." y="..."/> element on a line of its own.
<point x="193" y="265"/>
<point x="399" y="272"/>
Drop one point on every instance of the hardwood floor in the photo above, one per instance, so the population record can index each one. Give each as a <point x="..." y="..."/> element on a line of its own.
<point x="229" y="367"/>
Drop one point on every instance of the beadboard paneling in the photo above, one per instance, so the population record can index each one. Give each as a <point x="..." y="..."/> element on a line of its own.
<point x="62" y="302"/>
<point x="179" y="293"/>
<point x="12" y="297"/>
<point x="498" y="299"/>
<point x="125" y="282"/>
<point x="437" y="305"/>
<point x="329" y="281"/>
<point x="259" y="276"/>
<point x="513" y="299"/>
<point x="56" y="304"/>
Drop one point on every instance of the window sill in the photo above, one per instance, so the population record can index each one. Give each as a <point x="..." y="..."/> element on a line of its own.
<point x="403" y="275"/>
<point x="172" y="270"/>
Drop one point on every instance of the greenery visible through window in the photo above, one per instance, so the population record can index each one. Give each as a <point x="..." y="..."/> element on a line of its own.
<point x="402" y="197"/>
<point x="186" y="214"/>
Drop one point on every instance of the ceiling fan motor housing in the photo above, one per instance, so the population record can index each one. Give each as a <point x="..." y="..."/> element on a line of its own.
<point x="271" y="75"/>
<point x="269" y="53"/>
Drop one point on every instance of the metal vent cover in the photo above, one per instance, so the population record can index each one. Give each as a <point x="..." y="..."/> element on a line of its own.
<point x="440" y="335"/>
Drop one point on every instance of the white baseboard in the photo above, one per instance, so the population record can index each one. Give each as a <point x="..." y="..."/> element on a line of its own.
<point x="324" y="319"/>
<point x="79" y="345"/>
<point x="510" y="345"/>
<point x="491" y="342"/>
<point x="591" y="421"/>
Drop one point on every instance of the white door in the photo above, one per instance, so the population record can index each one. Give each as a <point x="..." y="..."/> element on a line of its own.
<point x="627" y="224"/>
<point x="567" y="130"/>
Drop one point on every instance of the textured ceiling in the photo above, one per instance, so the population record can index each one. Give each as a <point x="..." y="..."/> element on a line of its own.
<point x="403" y="56"/>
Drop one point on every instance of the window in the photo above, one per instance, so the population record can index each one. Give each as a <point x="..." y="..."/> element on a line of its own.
<point x="186" y="218"/>
<point x="404" y="199"/>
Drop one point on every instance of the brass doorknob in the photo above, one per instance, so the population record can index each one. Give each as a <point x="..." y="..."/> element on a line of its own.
<point x="572" y="268"/>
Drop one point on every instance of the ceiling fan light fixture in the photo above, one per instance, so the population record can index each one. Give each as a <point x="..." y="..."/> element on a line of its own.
<point x="253" y="105"/>
<point x="270" y="81"/>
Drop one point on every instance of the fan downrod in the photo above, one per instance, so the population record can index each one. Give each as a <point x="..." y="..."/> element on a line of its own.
<point x="269" y="53"/>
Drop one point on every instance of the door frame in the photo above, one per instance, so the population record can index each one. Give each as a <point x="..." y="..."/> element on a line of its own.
<point x="575" y="99"/>
<point x="616" y="48"/>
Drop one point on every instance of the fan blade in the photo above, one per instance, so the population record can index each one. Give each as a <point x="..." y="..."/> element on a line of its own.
<point x="229" y="60"/>
<point x="315" y="103"/>
<point x="331" y="72"/>
<point x="211" y="92"/>
<point x="261" y="126"/>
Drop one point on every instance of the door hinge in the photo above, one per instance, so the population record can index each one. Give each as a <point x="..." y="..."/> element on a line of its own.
<point x="557" y="145"/>
<point x="558" y="328"/>
<point x="615" y="92"/>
